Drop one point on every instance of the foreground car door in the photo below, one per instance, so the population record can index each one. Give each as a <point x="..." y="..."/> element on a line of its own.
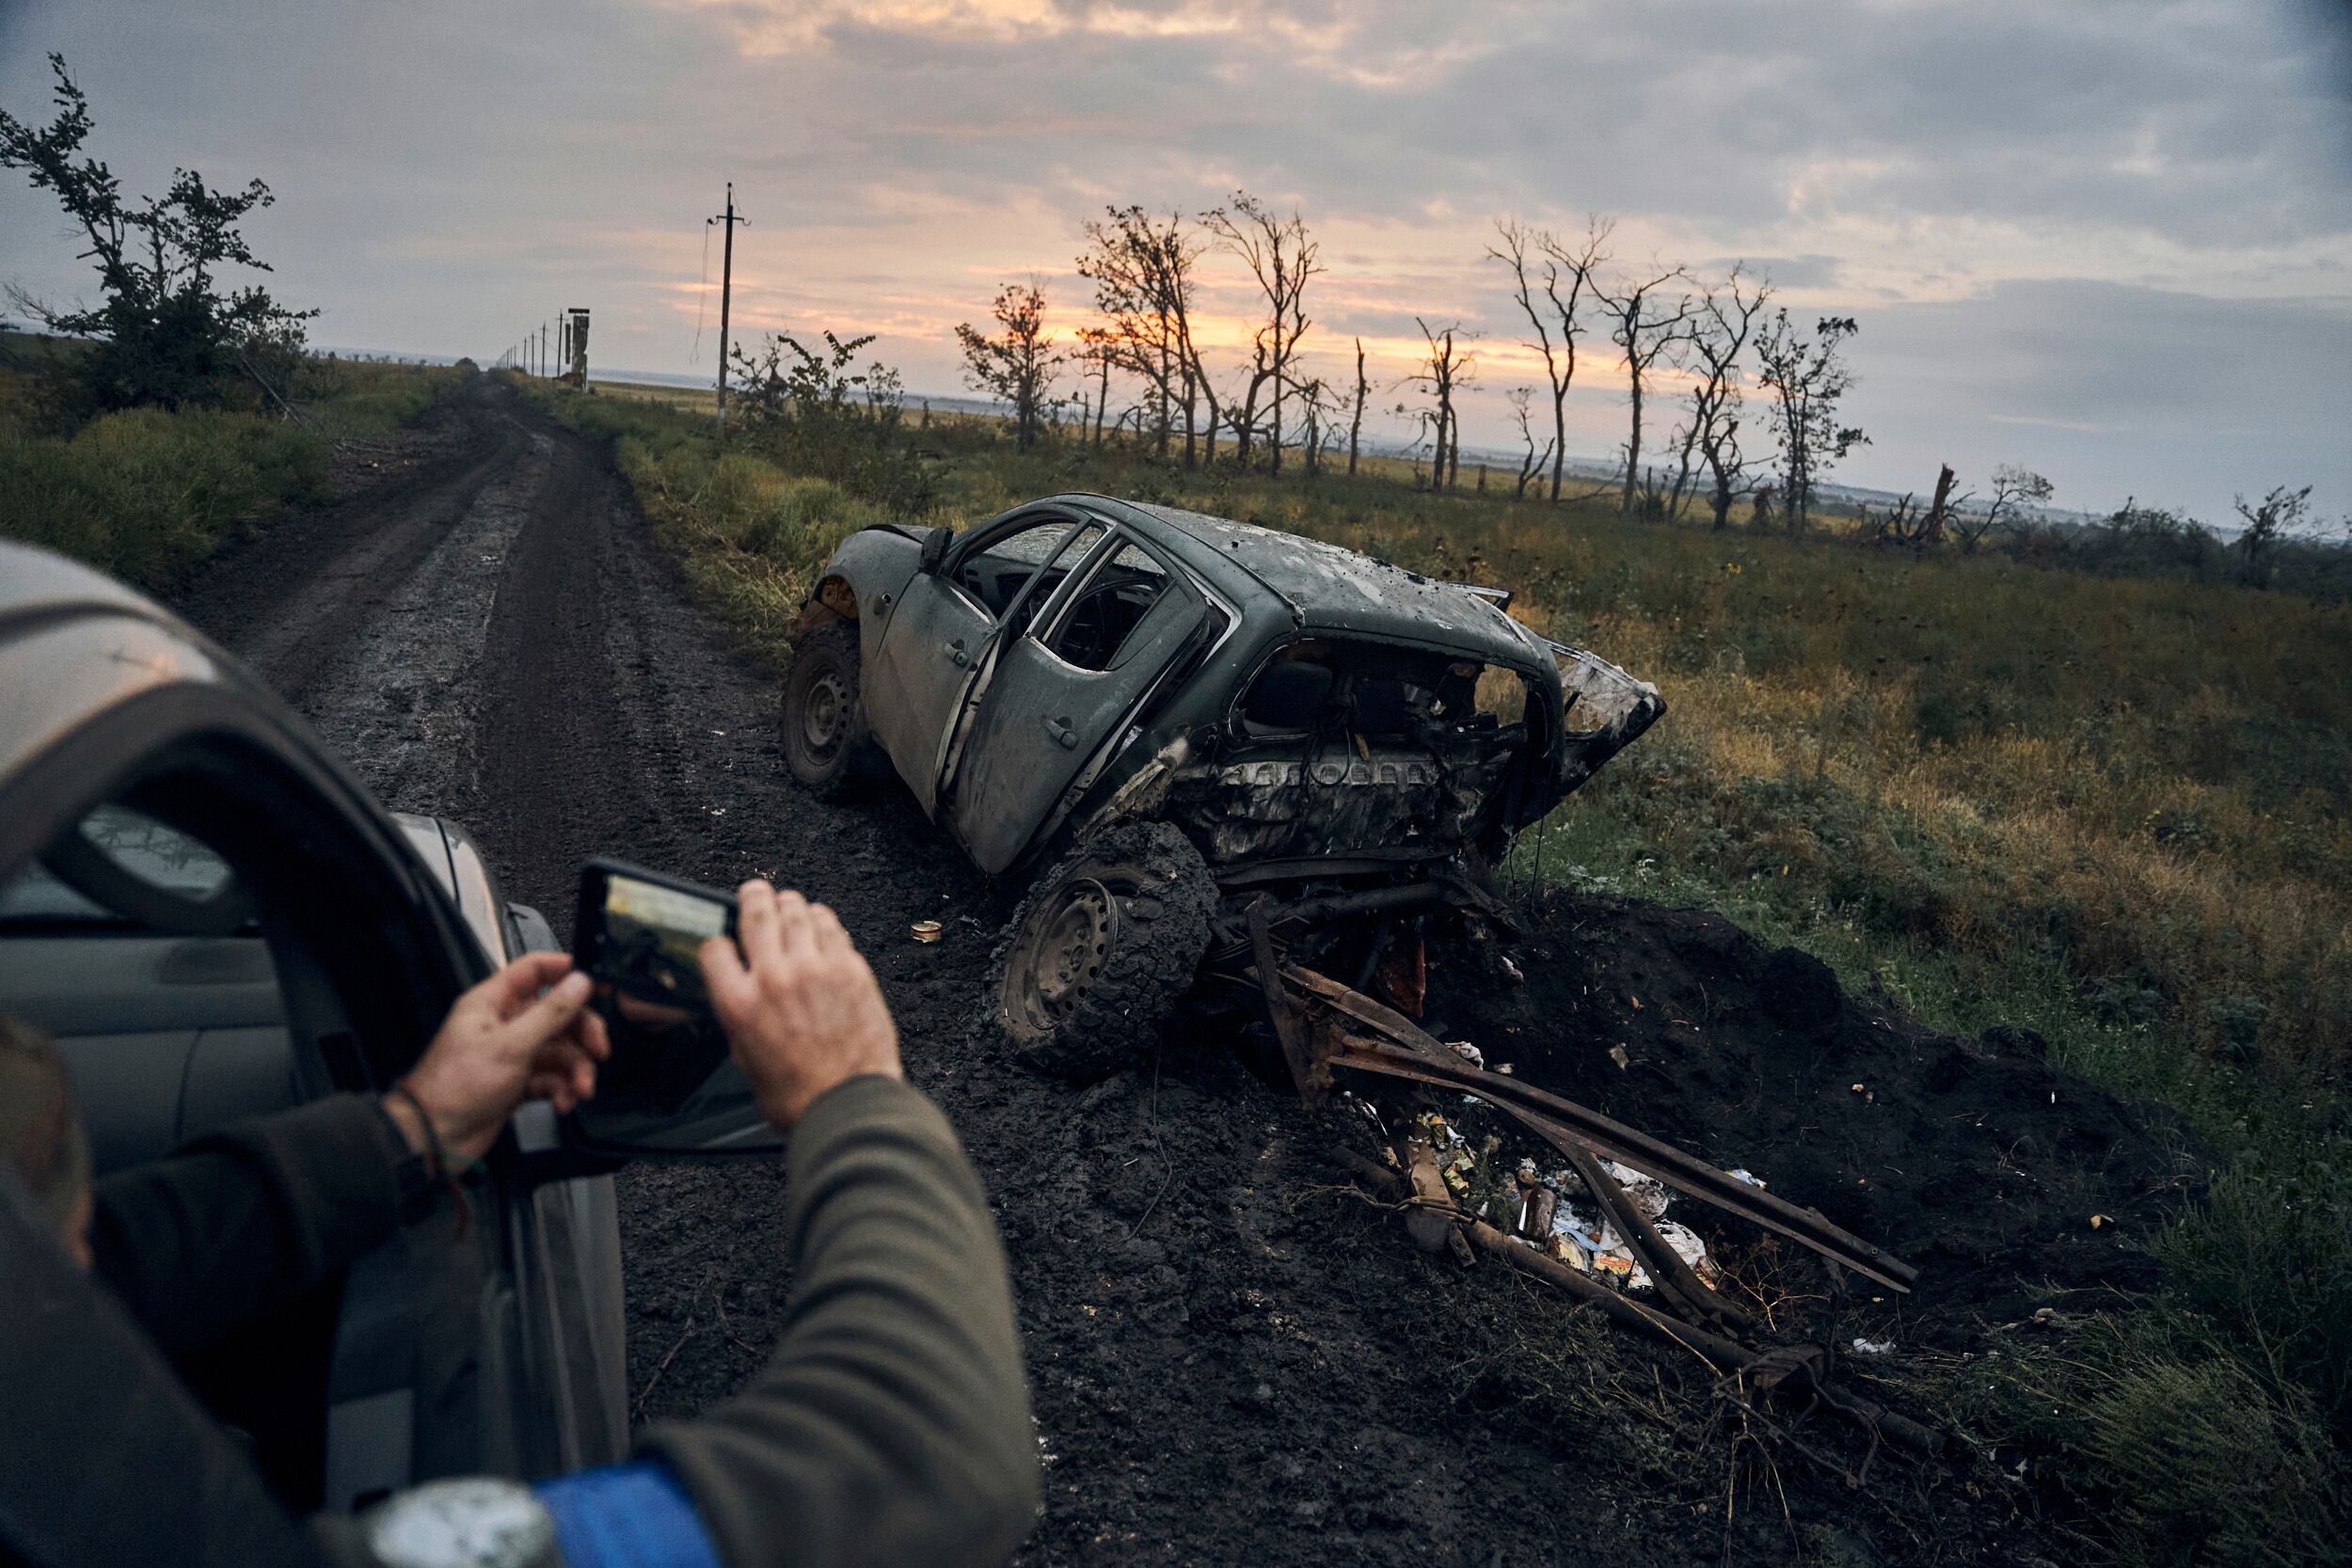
<point x="940" y="637"/>
<point x="1063" y="693"/>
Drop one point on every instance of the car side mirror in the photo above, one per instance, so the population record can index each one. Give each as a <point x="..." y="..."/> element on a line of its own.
<point x="936" y="549"/>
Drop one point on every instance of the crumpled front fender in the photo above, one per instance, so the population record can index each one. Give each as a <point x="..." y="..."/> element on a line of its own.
<point x="1605" y="710"/>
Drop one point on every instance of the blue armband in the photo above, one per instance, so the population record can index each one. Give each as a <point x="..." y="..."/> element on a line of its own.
<point x="633" y="1515"/>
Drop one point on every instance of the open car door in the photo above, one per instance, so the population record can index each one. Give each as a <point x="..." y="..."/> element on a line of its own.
<point x="1064" y="692"/>
<point x="942" y="635"/>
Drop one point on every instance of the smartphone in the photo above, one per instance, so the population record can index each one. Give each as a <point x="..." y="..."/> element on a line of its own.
<point x="641" y="932"/>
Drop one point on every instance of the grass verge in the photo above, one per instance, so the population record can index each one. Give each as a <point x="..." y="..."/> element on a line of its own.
<point x="146" y="493"/>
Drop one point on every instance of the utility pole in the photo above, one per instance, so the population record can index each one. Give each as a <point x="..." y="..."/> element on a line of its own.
<point x="543" y="348"/>
<point x="727" y="292"/>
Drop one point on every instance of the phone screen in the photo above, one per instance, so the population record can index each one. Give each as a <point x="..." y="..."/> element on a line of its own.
<point x="649" y="936"/>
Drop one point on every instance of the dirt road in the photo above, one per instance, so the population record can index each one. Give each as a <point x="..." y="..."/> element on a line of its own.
<point x="1235" y="1359"/>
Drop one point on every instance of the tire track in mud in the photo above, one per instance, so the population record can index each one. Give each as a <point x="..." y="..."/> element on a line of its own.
<point x="1232" y="1360"/>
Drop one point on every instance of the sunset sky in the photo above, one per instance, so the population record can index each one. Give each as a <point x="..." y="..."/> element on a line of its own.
<point x="2112" y="242"/>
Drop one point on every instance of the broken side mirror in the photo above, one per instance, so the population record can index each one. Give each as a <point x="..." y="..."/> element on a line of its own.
<point x="934" y="550"/>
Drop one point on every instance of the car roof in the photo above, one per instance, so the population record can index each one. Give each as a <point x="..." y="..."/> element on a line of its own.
<point x="1342" y="590"/>
<point x="35" y="581"/>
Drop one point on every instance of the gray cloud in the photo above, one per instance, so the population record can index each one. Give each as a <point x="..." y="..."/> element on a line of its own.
<point x="448" y="172"/>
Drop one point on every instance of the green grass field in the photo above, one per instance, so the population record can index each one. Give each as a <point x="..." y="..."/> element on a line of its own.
<point x="145" y="493"/>
<point x="2116" y="811"/>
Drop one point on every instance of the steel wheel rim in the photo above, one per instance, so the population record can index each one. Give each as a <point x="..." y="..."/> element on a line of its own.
<point x="824" y="710"/>
<point x="1061" y="953"/>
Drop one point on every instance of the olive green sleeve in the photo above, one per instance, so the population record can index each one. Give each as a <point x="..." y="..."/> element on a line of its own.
<point x="892" y="1425"/>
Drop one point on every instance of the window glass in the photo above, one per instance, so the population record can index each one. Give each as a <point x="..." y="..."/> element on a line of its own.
<point x="1093" y="630"/>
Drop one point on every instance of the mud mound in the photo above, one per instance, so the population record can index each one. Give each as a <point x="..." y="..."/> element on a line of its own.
<point x="1977" y="1160"/>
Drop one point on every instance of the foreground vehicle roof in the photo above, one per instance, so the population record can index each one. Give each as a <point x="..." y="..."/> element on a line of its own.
<point x="1342" y="590"/>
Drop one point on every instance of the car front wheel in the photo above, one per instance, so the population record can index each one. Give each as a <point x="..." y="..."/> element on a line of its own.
<point x="826" y="742"/>
<point x="1098" y="955"/>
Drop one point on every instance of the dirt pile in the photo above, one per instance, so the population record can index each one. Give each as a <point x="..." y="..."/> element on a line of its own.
<point x="1995" y="1173"/>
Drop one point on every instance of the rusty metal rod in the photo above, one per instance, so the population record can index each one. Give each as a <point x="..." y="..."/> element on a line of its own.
<point x="1724" y="1355"/>
<point x="1629" y="1313"/>
<point x="1406" y="1042"/>
<point x="1676" y="1278"/>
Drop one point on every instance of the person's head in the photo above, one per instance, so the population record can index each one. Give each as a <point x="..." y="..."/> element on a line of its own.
<point x="41" y="1139"/>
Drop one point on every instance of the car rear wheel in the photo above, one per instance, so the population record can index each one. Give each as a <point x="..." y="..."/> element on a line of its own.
<point x="1098" y="955"/>
<point x="826" y="742"/>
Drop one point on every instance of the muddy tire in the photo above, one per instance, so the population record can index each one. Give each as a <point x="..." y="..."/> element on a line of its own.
<point x="1098" y="954"/>
<point x="826" y="741"/>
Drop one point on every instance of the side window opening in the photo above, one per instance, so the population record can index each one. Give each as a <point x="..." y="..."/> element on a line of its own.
<point x="1094" y="627"/>
<point x="1017" y="573"/>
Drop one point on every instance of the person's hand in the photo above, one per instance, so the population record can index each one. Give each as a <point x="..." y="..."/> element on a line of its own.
<point x="504" y="1042"/>
<point x="800" y="1007"/>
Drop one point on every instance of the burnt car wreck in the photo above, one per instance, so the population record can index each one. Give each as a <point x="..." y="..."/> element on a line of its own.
<point x="1233" y="764"/>
<point x="1167" y="718"/>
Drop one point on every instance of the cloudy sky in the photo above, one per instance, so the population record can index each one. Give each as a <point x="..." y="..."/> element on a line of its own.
<point x="2109" y="240"/>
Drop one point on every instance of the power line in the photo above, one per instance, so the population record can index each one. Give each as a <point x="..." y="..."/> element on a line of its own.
<point x="702" y="300"/>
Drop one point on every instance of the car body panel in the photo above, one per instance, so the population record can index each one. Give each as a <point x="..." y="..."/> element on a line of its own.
<point x="929" y="659"/>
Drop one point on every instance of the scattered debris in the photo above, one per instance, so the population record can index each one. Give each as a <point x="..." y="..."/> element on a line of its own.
<point x="1606" y="1209"/>
<point x="925" y="930"/>
<point x="1873" y="1347"/>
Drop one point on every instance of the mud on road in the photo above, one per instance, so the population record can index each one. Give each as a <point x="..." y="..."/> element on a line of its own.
<point x="1234" y="1357"/>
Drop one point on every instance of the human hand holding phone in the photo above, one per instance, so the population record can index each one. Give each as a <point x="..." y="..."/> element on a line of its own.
<point x="801" y="1009"/>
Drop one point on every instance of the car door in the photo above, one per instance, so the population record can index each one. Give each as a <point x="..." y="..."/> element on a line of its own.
<point x="939" y="638"/>
<point x="1062" y="691"/>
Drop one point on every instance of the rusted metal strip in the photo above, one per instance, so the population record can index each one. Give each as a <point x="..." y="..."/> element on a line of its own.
<point x="1675" y="1276"/>
<point x="1551" y="1115"/>
<point x="1307" y="1070"/>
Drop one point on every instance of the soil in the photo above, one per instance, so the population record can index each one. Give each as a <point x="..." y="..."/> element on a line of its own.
<point x="1234" y="1356"/>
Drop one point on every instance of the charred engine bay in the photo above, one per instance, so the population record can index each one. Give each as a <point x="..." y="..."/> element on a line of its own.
<point x="1236" y="1356"/>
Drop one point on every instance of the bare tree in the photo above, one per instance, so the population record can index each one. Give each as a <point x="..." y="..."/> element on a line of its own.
<point x="1808" y="378"/>
<point x="2268" y="522"/>
<point x="1530" y="466"/>
<point x="1142" y="271"/>
<point x="1443" y="370"/>
<point x="1646" y="323"/>
<point x="1356" y="427"/>
<point x="1020" y="365"/>
<point x="1098" y="355"/>
<point x="1557" y="319"/>
<point x="1282" y="256"/>
<point x="1319" y="407"/>
<point x="2013" y="487"/>
<point x="1720" y="330"/>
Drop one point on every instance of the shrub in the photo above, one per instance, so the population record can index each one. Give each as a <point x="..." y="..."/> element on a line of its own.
<point x="143" y="494"/>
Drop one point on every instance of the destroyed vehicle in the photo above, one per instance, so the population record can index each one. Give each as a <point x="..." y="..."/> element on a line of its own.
<point x="1164" y="721"/>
